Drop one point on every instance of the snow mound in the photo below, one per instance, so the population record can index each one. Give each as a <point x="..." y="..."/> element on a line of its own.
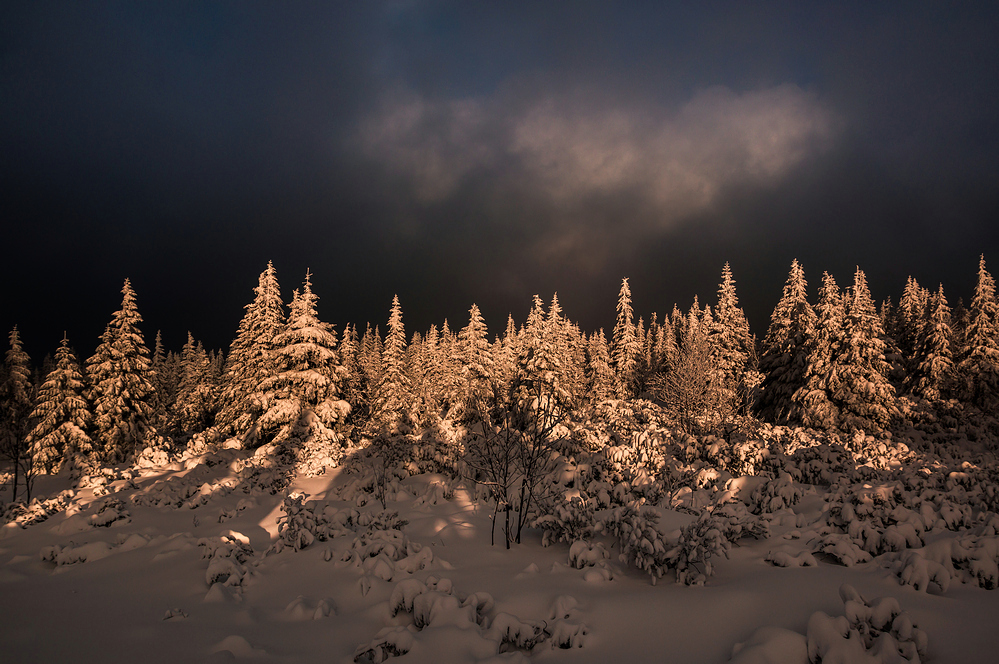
<point x="869" y="632"/>
<point x="112" y="512"/>
<point x="389" y="642"/>
<point x="303" y="609"/>
<point x="584" y="554"/>
<point x="239" y="647"/>
<point x="785" y="557"/>
<point x="509" y="631"/>
<point x="71" y="555"/>
<point x="772" y="645"/>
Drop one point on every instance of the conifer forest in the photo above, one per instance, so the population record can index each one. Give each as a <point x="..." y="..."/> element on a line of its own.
<point x="826" y="490"/>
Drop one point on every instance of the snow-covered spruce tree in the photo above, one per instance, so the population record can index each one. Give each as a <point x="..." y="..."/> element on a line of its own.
<point x="785" y="349"/>
<point x="644" y="361"/>
<point x="865" y="396"/>
<point x="540" y="361"/>
<point x="813" y="401"/>
<point x="732" y="345"/>
<point x="250" y="360"/>
<point x="59" y="438"/>
<point x="933" y="360"/>
<point x="600" y="376"/>
<point x="659" y="350"/>
<point x="193" y="410"/>
<point x="687" y="387"/>
<point x="425" y="375"/>
<point x="477" y="365"/>
<point x="120" y="388"/>
<point x="506" y="356"/>
<point x="908" y="318"/>
<point x="16" y="392"/>
<point x="666" y="347"/>
<point x="567" y="344"/>
<point x="893" y="354"/>
<point x="449" y="383"/>
<point x="625" y="348"/>
<point x="164" y="385"/>
<point x="353" y="389"/>
<point x="959" y="321"/>
<point x="303" y="400"/>
<point x="978" y="368"/>
<point x="419" y="356"/>
<point x="730" y="336"/>
<point x="393" y="397"/>
<point x="369" y="360"/>
<point x="648" y="363"/>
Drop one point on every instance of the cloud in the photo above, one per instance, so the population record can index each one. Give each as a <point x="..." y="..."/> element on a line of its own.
<point x="597" y="168"/>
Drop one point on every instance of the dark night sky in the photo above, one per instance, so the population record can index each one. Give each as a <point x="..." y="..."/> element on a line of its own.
<point x="459" y="152"/>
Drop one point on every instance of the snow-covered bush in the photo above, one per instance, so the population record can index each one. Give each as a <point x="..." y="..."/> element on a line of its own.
<point x="72" y="554"/>
<point x="819" y="464"/>
<point x="435" y="603"/>
<point x="227" y="556"/>
<point x="784" y="557"/>
<point x="101" y="479"/>
<point x="389" y="642"/>
<point x="735" y="521"/>
<point x="873" y="632"/>
<point x="983" y="561"/>
<point x="111" y="511"/>
<point x="383" y="551"/>
<point x="566" y="521"/>
<point x="38" y="510"/>
<point x="173" y="491"/>
<point x="738" y="455"/>
<point x="153" y="456"/>
<point x="297" y="528"/>
<point x="437" y="491"/>
<point x="640" y="541"/>
<point x="377" y="471"/>
<point x="699" y="542"/>
<point x="436" y="449"/>
<point x="843" y="549"/>
<point x="316" y="446"/>
<point x="875" y="518"/>
<point x="876" y="631"/>
<point x="775" y="494"/>
<point x="302" y="608"/>
<point x="970" y="559"/>
<point x="585" y="554"/>
<point x="565" y="634"/>
<point x="512" y="633"/>
<point x="267" y="471"/>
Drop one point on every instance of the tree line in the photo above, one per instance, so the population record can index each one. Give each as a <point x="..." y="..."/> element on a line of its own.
<point x="842" y="363"/>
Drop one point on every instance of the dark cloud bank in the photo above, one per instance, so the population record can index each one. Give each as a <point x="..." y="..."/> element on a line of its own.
<point x="456" y="153"/>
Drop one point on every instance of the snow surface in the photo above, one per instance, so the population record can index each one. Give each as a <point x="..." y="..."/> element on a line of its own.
<point x="187" y="562"/>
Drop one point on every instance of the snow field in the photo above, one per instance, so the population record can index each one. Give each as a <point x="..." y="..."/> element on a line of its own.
<point x="200" y="559"/>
